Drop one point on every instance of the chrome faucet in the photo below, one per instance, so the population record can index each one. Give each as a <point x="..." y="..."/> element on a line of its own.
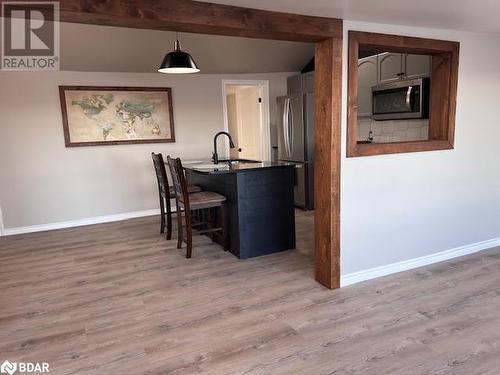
<point x="215" y="156"/>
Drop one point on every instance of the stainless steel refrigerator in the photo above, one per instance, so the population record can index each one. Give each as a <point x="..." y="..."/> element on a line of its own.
<point x="296" y="135"/>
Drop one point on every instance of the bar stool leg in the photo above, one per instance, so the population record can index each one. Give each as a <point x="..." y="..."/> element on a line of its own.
<point x="210" y="222"/>
<point x="224" y="226"/>
<point x="189" y="234"/>
<point x="169" y="219"/>
<point x="179" y="227"/>
<point x="162" y="215"/>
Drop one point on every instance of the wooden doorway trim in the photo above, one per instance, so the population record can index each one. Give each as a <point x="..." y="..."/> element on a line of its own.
<point x="207" y="18"/>
<point x="201" y="17"/>
<point x="328" y="100"/>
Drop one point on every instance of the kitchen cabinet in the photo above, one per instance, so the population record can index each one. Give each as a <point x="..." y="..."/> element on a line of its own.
<point x="367" y="70"/>
<point x="417" y="65"/>
<point x="389" y="66"/>
<point x="260" y="207"/>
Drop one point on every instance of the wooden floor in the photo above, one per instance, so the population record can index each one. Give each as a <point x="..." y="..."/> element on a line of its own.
<point x="119" y="299"/>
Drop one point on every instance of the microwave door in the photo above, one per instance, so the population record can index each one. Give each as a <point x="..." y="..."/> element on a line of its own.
<point x="401" y="100"/>
<point x="393" y="103"/>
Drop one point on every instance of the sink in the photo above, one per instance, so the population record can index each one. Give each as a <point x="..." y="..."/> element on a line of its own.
<point x="210" y="166"/>
<point x="238" y="161"/>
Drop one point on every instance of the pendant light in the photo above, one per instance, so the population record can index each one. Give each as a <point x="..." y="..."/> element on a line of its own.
<point x="178" y="61"/>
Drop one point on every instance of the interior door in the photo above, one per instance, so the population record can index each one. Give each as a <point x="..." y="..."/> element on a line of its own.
<point x="232" y="122"/>
<point x="249" y="116"/>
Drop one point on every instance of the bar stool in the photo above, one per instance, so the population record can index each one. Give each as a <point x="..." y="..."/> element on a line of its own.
<point x="166" y="193"/>
<point x="196" y="202"/>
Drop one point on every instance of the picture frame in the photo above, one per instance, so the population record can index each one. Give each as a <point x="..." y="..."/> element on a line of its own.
<point x="110" y="115"/>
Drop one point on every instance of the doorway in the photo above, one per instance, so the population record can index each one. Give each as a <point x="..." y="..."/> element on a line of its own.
<point x="246" y="118"/>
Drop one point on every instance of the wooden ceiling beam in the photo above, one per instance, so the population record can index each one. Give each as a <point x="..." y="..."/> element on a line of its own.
<point x="200" y="17"/>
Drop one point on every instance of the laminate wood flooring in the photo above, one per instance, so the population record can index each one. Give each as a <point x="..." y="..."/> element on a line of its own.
<point x="118" y="298"/>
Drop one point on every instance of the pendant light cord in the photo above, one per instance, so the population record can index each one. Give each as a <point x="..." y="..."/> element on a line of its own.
<point x="177" y="44"/>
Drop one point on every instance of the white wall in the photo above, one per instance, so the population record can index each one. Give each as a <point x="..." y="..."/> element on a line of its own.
<point x="399" y="207"/>
<point x="43" y="182"/>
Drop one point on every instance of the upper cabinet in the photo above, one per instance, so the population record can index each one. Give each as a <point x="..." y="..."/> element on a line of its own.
<point x="392" y="65"/>
<point x="417" y="65"/>
<point x="389" y="66"/>
<point x="367" y="70"/>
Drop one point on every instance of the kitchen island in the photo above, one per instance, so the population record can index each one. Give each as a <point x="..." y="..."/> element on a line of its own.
<point x="260" y="205"/>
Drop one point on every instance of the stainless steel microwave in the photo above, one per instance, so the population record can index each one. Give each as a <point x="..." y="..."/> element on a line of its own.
<point x="405" y="99"/>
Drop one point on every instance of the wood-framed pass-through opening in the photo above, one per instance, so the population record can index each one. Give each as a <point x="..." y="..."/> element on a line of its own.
<point x="208" y="18"/>
<point x="442" y="93"/>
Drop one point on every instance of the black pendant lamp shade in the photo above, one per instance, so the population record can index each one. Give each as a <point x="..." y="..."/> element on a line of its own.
<point x="178" y="62"/>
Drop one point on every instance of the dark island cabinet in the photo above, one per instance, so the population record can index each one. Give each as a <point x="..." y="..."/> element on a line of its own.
<point x="260" y="207"/>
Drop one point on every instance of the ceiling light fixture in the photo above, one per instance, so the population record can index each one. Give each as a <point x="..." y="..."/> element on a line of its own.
<point x="178" y="61"/>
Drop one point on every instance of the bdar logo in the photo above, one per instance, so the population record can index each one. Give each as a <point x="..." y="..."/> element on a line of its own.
<point x="8" y="368"/>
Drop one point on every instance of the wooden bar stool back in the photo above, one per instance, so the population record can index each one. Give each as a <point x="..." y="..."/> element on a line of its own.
<point x="195" y="202"/>
<point x="166" y="193"/>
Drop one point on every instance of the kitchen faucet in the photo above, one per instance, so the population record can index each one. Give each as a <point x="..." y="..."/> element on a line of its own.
<point x="215" y="156"/>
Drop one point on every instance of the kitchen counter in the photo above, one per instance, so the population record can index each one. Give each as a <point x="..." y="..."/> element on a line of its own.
<point x="260" y="212"/>
<point x="207" y="167"/>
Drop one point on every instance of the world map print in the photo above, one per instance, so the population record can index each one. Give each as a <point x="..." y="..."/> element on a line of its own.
<point x="101" y="116"/>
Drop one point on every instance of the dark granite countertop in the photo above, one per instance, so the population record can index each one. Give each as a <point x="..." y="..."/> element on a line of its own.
<point x="207" y="166"/>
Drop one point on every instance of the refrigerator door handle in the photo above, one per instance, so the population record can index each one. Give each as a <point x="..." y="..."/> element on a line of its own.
<point x="285" y="128"/>
<point x="290" y="141"/>
<point x="286" y="123"/>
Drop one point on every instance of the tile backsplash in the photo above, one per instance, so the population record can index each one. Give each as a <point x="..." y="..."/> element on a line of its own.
<point x="393" y="130"/>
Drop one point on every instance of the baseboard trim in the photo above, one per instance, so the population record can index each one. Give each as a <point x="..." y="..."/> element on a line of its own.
<point x="372" y="273"/>
<point x="80" y="222"/>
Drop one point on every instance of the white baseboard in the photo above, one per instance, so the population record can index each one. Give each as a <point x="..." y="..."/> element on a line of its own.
<point x="372" y="273"/>
<point x="80" y="222"/>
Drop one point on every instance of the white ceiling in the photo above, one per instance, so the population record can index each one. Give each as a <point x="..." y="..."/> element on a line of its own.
<point x="112" y="49"/>
<point x="467" y="15"/>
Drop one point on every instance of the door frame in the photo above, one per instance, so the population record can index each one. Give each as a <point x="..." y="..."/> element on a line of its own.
<point x="2" y="228"/>
<point x="265" y="117"/>
<point x="209" y="18"/>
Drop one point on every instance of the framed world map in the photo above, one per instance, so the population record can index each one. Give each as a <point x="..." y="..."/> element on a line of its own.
<point x="95" y="116"/>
